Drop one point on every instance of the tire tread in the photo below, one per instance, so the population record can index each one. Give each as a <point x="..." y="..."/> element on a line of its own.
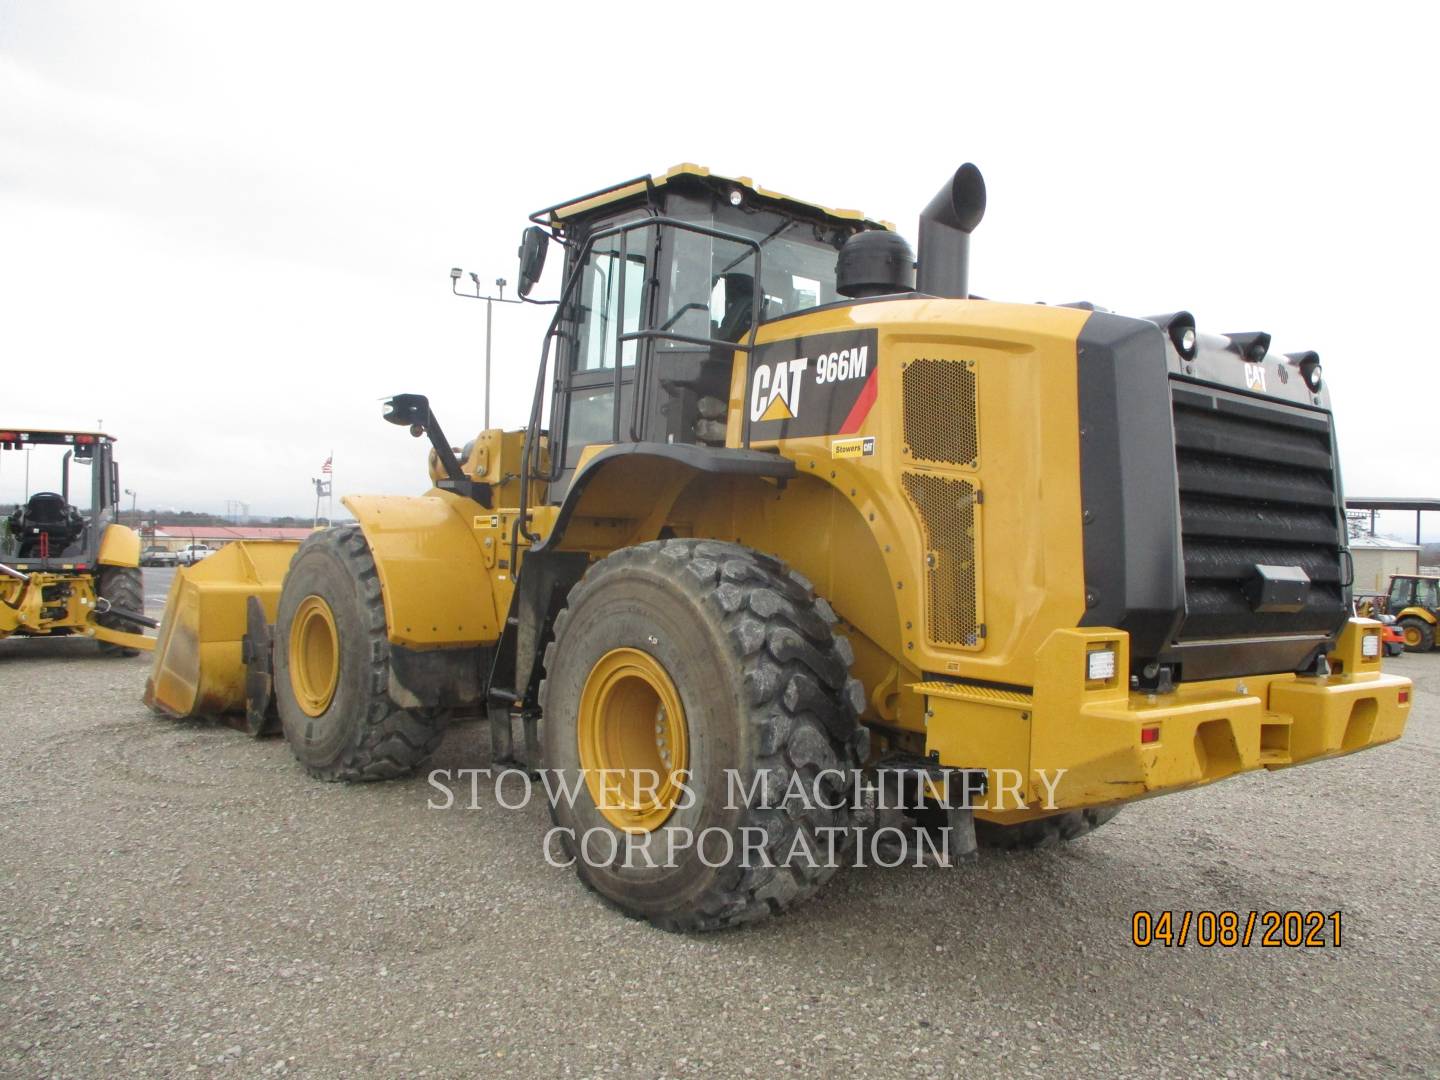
<point x="394" y="740"/>
<point x="1046" y="832"/>
<point x="797" y="691"/>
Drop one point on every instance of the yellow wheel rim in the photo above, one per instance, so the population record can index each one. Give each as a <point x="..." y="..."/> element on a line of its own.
<point x="1412" y="636"/>
<point x="633" y="740"/>
<point x="314" y="655"/>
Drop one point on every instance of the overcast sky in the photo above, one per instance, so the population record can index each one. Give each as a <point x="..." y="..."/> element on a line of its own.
<point x="227" y="229"/>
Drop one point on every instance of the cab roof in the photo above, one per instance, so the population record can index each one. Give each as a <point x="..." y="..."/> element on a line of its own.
<point x="556" y="216"/>
<point x="49" y="435"/>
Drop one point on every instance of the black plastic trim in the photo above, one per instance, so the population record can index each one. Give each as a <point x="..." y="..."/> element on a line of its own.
<point x="1134" y="572"/>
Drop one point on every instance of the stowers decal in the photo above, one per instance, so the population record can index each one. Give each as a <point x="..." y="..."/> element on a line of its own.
<point x="823" y="384"/>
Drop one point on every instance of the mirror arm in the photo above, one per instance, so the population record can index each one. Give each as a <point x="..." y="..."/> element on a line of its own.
<point x="414" y="410"/>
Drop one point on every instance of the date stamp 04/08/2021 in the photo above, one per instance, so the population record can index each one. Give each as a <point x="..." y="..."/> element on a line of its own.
<point x="1237" y="929"/>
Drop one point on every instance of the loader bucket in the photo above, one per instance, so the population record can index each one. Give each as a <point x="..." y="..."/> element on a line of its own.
<point x="199" y="664"/>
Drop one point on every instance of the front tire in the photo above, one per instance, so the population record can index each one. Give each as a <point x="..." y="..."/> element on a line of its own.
<point x="332" y="668"/>
<point x="123" y="586"/>
<point x="743" y="650"/>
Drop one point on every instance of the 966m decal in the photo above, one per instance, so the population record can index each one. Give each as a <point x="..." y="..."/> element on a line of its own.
<point x="823" y="384"/>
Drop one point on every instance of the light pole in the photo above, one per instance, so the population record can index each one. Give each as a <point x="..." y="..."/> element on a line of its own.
<point x="490" y="301"/>
<point x="131" y="493"/>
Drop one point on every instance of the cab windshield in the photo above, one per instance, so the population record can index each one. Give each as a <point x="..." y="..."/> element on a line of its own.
<point x="45" y="501"/>
<point x="711" y="280"/>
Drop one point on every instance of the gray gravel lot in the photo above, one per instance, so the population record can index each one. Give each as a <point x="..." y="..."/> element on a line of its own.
<point x="177" y="898"/>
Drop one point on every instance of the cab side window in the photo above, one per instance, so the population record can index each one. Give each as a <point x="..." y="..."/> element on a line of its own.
<point x="610" y="301"/>
<point x="601" y="308"/>
<point x="1427" y="594"/>
<point x="1400" y="590"/>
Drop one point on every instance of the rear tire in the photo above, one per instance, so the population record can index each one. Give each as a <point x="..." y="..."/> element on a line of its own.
<point x="123" y="586"/>
<point x="1044" y="832"/>
<point x="1419" y="634"/>
<point x="765" y="690"/>
<point x="348" y="727"/>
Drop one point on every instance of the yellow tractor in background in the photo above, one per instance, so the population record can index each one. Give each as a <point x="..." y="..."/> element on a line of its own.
<point x="66" y="567"/>
<point x="1414" y="603"/>
<point x="792" y="511"/>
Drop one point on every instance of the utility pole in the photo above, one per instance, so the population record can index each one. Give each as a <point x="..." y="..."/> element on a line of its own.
<point x="322" y="489"/>
<point x="489" y="315"/>
<point x="490" y="302"/>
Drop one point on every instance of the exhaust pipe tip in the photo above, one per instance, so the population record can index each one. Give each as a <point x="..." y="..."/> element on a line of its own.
<point x="960" y="204"/>
<point x="945" y="227"/>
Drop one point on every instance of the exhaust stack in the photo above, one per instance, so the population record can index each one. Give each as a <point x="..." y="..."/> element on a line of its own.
<point x="945" y="227"/>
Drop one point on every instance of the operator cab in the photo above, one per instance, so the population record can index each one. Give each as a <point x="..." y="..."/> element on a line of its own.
<point x="1413" y="591"/>
<point x="664" y="306"/>
<point x="58" y="490"/>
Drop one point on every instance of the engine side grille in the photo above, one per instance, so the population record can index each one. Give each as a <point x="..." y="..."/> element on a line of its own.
<point x="1257" y="486"/>
<point x="941" y="424"/>
<point x="950" y="513"/>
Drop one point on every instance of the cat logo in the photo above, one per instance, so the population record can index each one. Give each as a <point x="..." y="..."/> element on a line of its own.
<point x="775" y="390"/>
<point x="1255" y="377"/>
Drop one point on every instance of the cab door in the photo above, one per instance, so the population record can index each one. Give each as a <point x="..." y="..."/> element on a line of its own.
<point x="1401" y="589"/>
<point x="612" y="300"/>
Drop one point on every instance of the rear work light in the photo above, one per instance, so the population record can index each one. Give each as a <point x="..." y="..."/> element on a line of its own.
<point x="1370" y="646"/>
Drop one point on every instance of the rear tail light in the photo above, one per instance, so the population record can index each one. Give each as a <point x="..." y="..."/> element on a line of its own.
<point x="1404" y="697"/>
<point x="1149" y="734"/>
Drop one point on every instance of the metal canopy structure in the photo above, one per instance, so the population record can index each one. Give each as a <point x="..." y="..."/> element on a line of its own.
<point x="1389" y="502"/>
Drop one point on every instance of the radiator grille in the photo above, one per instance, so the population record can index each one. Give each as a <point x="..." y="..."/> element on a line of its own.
<point x="950" y="513"/>
<point x="1257" y="485"/>
<point x="940" y="417"/>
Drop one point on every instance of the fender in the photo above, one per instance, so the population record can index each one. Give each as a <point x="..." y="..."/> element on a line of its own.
<point x="119" y="546"/>
<point x="432" y="571"/>
<point x="1418" y="613"/>
<point x="626" y="478"/>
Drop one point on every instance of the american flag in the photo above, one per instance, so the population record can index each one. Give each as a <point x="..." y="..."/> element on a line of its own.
<point x="327" y="469"/>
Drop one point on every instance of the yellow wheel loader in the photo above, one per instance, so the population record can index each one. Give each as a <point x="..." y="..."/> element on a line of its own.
<point x="803" y="543"/>
<point x="66" y="567"/>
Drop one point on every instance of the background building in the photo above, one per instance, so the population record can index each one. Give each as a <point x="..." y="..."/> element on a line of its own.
<point x="1377" y="558"/>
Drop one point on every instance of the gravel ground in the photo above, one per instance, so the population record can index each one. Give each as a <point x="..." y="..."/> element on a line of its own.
<point x="176" y="898"/>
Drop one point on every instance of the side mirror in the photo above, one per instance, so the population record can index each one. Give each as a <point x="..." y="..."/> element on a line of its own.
<point x="533" y="242"/>
<point x="409" y="410"/>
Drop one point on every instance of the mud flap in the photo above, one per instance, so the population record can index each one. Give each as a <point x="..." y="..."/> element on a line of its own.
<point x="257" y="649"/>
